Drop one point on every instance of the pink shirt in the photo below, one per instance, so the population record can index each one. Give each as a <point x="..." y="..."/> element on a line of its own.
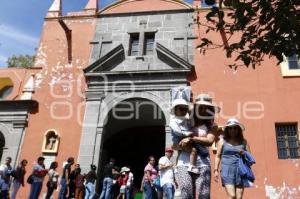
<point x="152" y="170"/>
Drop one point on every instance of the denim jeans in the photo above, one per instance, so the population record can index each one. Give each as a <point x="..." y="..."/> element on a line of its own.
<point x="149" y="191"/>
<point x="35" y="190"/>
<point x="15" y="188"/>
<point x="128" y="193"/>
<point x="169" y="190"/>
<point x="4" y="194"/>
<point x="106" y="189"/>
<point x="63" y="189"/>
<point x="89" y="191"/>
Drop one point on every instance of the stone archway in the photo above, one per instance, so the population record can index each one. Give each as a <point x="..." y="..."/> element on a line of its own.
<point x="2" y="144"/>
<point x="134" y="130"/>
<point x="97" y="115"/>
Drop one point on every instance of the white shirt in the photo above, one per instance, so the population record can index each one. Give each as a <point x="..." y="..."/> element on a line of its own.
<point x="130" y="179"/>
<point x="4" y="169"/>
<point x="184" y="157"/>
<point x="166" y="175"/>
<point x="53" y="175"/>
<point x="180" y="125"/>
<point x="38" y="167"/>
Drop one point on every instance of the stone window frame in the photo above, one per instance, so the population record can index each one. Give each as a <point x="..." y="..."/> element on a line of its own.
<point x="142" y="41"/>
<point x="133" y="37"/>
<point x="286" y="133"/>
<point x="148" y="36"/>
<point x="286" y="71"/>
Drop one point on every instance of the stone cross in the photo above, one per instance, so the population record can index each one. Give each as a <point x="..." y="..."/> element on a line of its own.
<point x="185" y="37"/>
<point x="99" y="44"/>
<point x="142" y="31"/>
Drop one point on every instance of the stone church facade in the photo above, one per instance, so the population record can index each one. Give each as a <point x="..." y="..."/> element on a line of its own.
<point x="102" y="82"/>
<point x="122" y="71"/>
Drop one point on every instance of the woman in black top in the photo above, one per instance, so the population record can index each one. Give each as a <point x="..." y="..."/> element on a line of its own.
<point x="18" y="175"/>
<point x="53" y="179"/>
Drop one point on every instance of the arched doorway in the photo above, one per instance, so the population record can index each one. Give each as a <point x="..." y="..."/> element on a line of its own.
<point x="2" y="145"/>
<point x="134" y="130"/>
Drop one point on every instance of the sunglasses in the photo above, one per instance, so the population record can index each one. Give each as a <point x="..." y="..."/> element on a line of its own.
<point x="233" y="127"/>
<point x="182" y="109"/>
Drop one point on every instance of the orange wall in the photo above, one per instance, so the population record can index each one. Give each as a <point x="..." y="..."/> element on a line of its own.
<point x="59" y="91"/>
<point x="279" y="98"/>
<point x="19" y="77"/>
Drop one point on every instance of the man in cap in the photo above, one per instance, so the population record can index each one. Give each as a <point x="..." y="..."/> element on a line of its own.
<point x="167" y="178"/>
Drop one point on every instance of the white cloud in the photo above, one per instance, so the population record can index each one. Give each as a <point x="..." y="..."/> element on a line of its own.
<point x="17" y="35"/>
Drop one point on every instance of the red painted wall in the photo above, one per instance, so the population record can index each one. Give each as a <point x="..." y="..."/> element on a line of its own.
<point x="263" y="87"/>
<point x="59" y="90"/>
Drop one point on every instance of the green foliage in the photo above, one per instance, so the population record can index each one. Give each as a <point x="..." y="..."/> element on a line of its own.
<point x="20" y="61"/>
<point x="267" y="27"/>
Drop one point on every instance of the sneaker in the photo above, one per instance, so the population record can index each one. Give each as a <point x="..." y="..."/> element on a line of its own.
<point x="193" y="169"/>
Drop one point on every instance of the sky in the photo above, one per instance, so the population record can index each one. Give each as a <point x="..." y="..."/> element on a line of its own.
<point x="21" y="23"/>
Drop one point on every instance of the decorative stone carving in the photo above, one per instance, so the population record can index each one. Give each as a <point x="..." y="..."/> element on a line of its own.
<point x="181" y="92"/>
<point x="28" y="89"/>
<point x="51" y="142"/>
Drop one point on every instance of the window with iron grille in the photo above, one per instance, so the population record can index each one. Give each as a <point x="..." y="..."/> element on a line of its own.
<point x="294" y="62"/>
<point x="287" y="140"/>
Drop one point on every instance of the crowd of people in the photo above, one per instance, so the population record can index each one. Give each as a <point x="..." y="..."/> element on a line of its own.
<point x="72" y="183"/>
<point x="193" y="130"/>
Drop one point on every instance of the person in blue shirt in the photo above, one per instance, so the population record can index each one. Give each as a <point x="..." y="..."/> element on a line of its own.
<point x="230" y="149"/>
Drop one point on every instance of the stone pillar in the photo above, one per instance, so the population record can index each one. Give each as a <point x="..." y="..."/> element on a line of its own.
<point x="91" y="136"/>
<point x="12" y="126"/>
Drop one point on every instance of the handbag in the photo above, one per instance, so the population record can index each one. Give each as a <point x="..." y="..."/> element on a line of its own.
<point x="30" y="179"/>
<point x="156" y="181"/>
